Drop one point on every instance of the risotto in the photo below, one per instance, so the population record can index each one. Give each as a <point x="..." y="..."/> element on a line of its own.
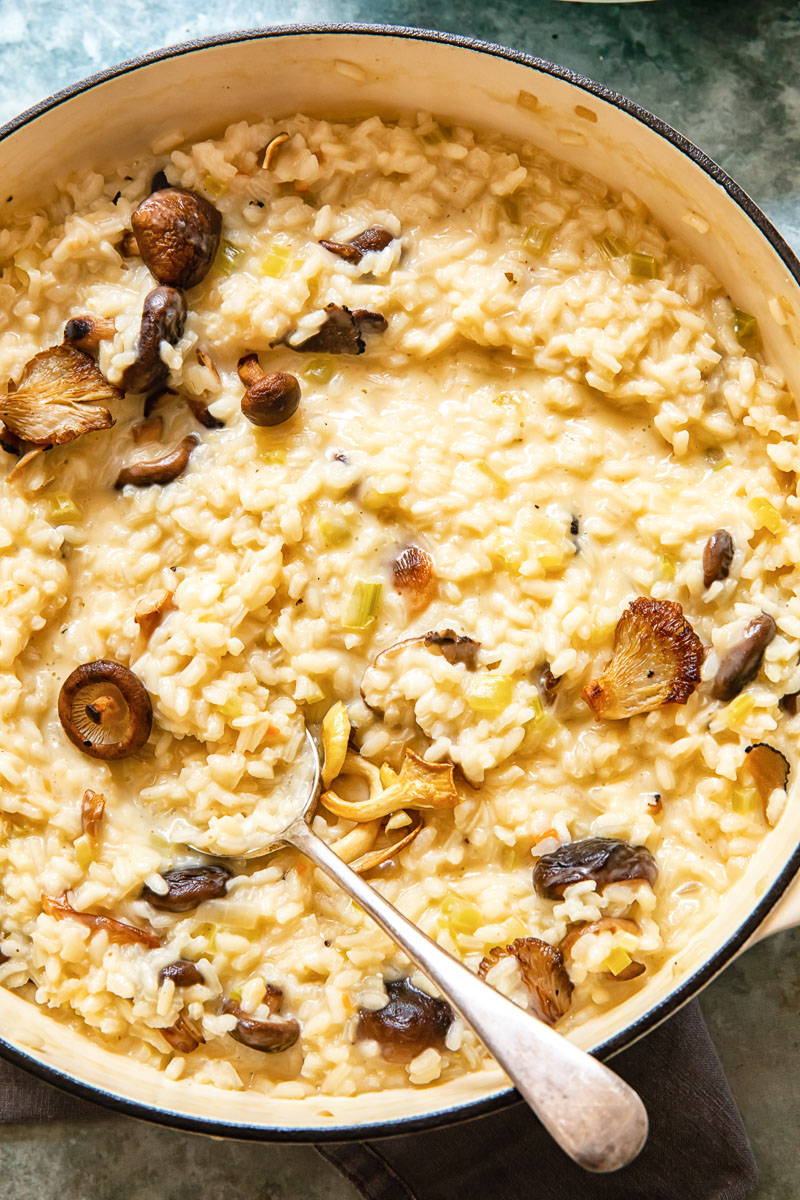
<point x="418" y="439"/>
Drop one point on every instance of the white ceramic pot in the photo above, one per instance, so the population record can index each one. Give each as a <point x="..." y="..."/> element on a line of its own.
<point x="352" y="71"/>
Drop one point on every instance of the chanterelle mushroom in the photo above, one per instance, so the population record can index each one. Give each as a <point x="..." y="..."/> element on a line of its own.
<point x="543" y="973"/>
<point x="177" y="233"/>
<point x="105" y="710"/>
<point x="420" y="784"/>
<point x="657" y="660"/>
<point x="57" y="398"/>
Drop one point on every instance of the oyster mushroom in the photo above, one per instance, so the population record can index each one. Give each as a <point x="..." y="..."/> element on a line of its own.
<point x="375" y="238"/>
<point x="188" y="887"/>
<point x="272" y="1035"/>
<point x="768" y="769"/>
<point x="456" y="648"/>
<point x="116" y="931"/>
<point x="159" y="470"/>
<point x="741" y="664"/>
<point x="419" y="785"/>
<point x="163" y="319"/>
<point x="614" y="925"/>
<point x="178" y="234"/>
<point x="410" y="1022"/>
<point x="272" y="148"/>
<point x="105" y="710"/>
<point x="657" y="660"/>
<point x="58" y="398"/>
<point x="183" y="1036"/>
<point x="269" y="399"/>
<point x="604" y="860"/>
<point x="87" y="332"/>
<point x="356" y="849"/>
<point x="543" y="973"/>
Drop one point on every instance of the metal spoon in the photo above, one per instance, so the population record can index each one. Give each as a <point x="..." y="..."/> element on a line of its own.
<point x="592" y="1114"/>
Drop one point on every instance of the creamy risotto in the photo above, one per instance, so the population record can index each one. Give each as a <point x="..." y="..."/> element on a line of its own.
<point x="421" y="440"/>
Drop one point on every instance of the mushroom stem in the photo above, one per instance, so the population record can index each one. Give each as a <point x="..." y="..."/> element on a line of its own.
<point x="87" y="332"/>
<point x="103" y="710"/>
<point x="249" y="370"/>
<point x="160" y="470"/>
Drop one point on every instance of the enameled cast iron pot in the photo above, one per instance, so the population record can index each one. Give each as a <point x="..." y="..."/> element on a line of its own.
<point x="198" y="89"/>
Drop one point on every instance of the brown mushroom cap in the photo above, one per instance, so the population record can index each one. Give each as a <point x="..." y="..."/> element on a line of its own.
<point x="177" y="233"/>
<point x="105" y="710"/>
<point x="269" y="1036"/>
<point x="740" y="665"/>
<point x="605" y="860"/>
<point x="163" y="319"/>
<point x="188" y="887"/>
<point x="269" y="399"/>
<point x="411" y="1021"/>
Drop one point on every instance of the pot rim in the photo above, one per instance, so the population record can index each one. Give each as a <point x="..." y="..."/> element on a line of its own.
<point x="470" y="1109"/>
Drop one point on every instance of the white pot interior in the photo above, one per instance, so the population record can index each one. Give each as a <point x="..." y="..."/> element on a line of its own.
<point x="199" y="93"/>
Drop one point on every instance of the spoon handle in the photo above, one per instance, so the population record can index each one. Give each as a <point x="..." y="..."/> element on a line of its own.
<point x="592" y="1114"/>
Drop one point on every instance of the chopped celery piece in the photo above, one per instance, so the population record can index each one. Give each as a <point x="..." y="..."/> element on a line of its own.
<point x="610" y="246"/>
<point x="318" y="369"/>
<point x="334" y="529"/>
<point x="215" y="187"/>
<point x="644" y="266"/>
<point x="84" y="852"/>
<point x="537" y="238"/>
<point x="743" y="800"/>
<point x="229" y="258"/>
<point x="739" y="708"/>
<point x="745" y="326"/>
<point x="363" y="607"/>
<point x="617" y="960"/>
<point x="276" y="261"/>
<point x="766" y="514"/>
<point x="508" y="858"/>
<point x="63" y="509"/>
<point x="490" y="694"/>
<point x="460" y="916"/>
<point x="668" y="566"/>
<point x="490" y="473"/>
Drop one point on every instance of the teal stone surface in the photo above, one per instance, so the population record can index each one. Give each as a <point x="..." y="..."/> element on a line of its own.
<point x="726" y="74"/>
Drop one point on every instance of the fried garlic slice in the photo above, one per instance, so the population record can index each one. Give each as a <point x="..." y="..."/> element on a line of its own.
<point x="657" y="660"/>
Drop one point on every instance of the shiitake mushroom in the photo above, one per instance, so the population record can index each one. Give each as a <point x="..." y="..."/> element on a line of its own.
<point x="188" y="887"/>
<point x="105" y="709"/>
<point x="604" y="860"/>
<point x="177" y="233"/>
<point x="411" y="1021"/>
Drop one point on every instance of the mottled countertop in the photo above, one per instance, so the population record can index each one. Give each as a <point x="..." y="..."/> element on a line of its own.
<point x="726" y="74"/>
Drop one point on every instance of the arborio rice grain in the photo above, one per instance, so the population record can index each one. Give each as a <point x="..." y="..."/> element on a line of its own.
<point x="562" y="409"/>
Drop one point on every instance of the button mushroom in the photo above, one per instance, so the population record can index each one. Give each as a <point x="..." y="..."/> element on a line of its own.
<point x="271" y="1035"/>
<point x="543" y="974"/>
<point x="183" y="973"/>
<point x="604" y="860"/>
<point x="269" y="399"/>
<point x="742" y="662"/>
<point x="657" y="660"/>
<point x="159" y="470"/>
<point x="188" y="887"/>
<point x="163" y="319"/>
<point x="338" y="334"/>
<point x="411" y="1021"/>
<point x="372" y="240"/>
<point x="105" y="710"/>
<point x="57" y="398"/>
<point x="178" y="234"/>
<point x="717" y="557"/>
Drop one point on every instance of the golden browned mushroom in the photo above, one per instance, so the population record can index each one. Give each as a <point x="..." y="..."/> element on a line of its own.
<point x="88" y="332"/>
<point x="92" y="808"/>
<point x="105" y="710"/>
<point x="419" y="785"/>
<point x="270" y="1036"/>
<point x="543" y="973"/>
<point x="657" y="660"/>
<point x="410" y="1022"/>
<point x="768" y="768"/>
<point x="269" y="399"/>
<point x="188" y="887"/>
<point x="183" y="1036"/>
<point x="604" y="860"/>
<point x="150" y="611"/>
<point x="177" y="233"/>
<point x="373" y="239"/>
<point x="159" y="470"/>
<point x="116" y="931"/>
<point x="741" y="664"/>
<point x="57" y="398"/>
<point x="413" y="576"/>
<point x="163" y="318"/>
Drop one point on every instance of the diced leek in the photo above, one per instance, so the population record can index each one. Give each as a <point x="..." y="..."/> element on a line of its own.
<point x="537" y="238"/>
<point x="460" y="916"/>
<point x="490" y="694"/>
<point x="508" y="858"/>
<point x="334" y="528"/>
<point x="236" y="995"/>
<point x="539" y="715"/>
<point x="551" y="558"/>
<point x="745" y="326"/>
<point x="724" y="462"/>
<point x="335" y="736"/>
<point x="228" y="258"/>
<point x="617" y="960"/>
<point x="363" y="607"/>
<point x="766" y="514"/>
<point x="318" y="369"/>
<point x="231" y="708"/>
<point x="644" y="266"/>
<point x="213" y="186"/>
<point x="63" y="509"/>
<point x="490" y="473"/>
<point x="668" y="566"/>
<point x="744" y="801"/>
<point x="509" y="554"/>
<point x="388" y="776"/>
<point x="610" y="246"/>
<point x="84" y="851"/>
<point x="276" y="260"/>
<point x="739" y="708"/>
<point x="209" y="932"/>
<point x="273" y="457"/>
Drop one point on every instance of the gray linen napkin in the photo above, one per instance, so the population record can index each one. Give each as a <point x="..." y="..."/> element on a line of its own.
<point x="697" y="1149"/>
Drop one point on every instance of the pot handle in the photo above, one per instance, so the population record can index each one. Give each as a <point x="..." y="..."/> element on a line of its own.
<point x="785" y="914"/>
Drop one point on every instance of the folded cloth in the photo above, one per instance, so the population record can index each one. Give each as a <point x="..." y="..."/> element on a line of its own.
<point x="697" y="1149"/>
